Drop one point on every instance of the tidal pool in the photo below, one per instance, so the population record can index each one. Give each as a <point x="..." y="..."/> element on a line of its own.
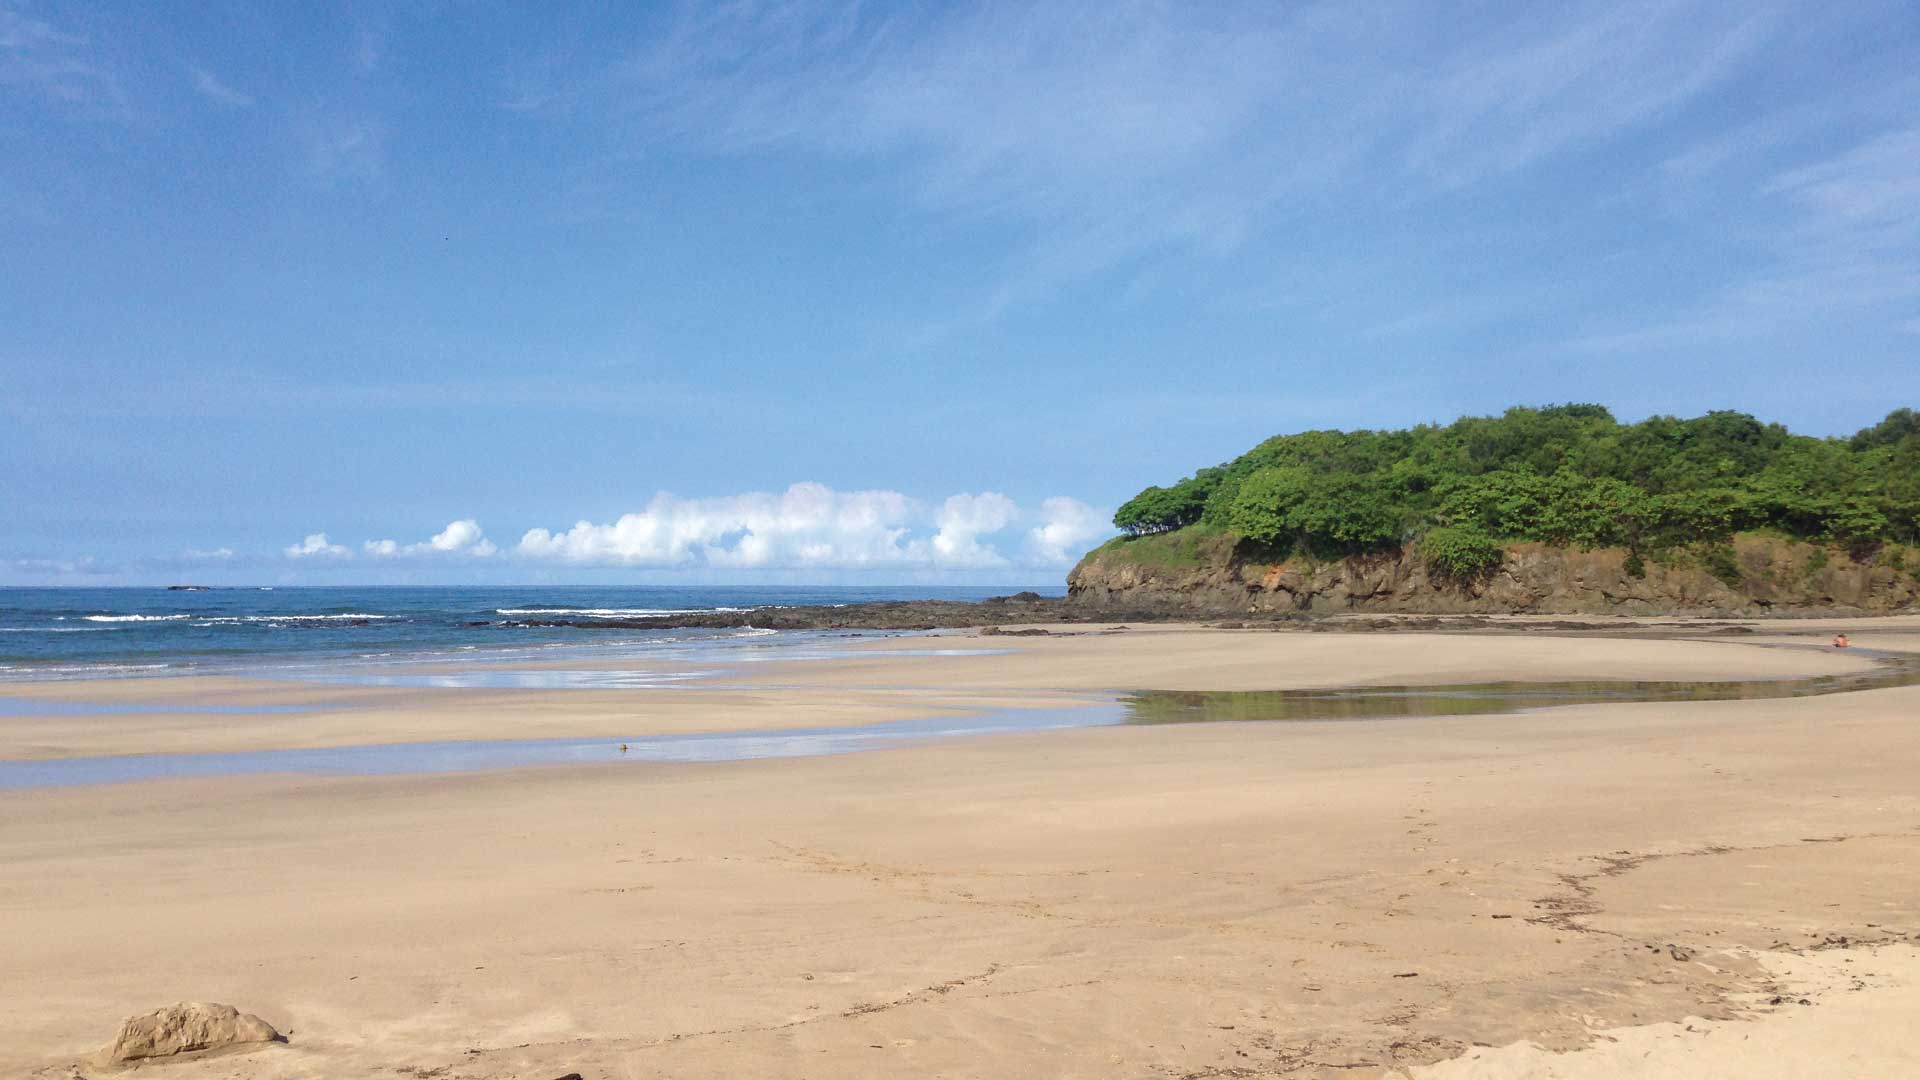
<point x="474" y="755"/>
<point x="1377" y="702"/>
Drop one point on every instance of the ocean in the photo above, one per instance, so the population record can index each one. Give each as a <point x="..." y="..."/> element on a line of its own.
<point x="96" y="633"/>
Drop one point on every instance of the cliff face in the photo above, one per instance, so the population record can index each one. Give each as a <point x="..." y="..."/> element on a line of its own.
<point x="1773" y="577"/>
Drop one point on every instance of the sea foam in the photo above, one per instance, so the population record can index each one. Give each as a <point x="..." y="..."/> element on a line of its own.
<point x="204" y="620"/>
<point x="613" y="613"/>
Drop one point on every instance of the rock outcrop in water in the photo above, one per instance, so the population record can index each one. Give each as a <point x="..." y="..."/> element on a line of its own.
<point x="1754" y="576"/>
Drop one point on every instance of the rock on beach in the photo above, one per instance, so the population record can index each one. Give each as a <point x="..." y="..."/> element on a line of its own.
<point x="186" y="1027"/>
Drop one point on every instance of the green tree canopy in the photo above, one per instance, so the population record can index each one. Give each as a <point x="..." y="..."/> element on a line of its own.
<point x="1561" y="474"/>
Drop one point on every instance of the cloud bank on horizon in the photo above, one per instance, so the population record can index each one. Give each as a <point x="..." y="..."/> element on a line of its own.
<point x="809" y="526"/>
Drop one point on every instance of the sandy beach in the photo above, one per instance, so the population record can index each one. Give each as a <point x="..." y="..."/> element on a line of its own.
<point x="1712" y="888"/>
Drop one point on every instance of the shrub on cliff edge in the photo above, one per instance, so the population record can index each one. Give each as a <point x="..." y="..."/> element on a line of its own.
<point x="1460" y="553"/>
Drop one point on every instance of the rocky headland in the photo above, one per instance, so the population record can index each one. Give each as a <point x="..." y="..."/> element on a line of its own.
<point x="1752" y="576"/>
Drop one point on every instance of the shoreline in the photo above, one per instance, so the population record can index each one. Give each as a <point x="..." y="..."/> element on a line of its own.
<point x="836" y="626"/>
<point x="1081" y="709"/>
<point x="870" y="682"/>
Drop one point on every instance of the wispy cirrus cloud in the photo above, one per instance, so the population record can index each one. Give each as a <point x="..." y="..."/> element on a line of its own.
<point x="341" y="148"/>
<point x="1564" y="79"/>
<point x="1114" y="129"/>
<point x="1101" y="137"/>
<point x="1866" y="197"/>
<point x="1846" y="246"/>
<point x="81" y="389"/>
<point x="54" y="63"/>
<point x="213" y="88"/>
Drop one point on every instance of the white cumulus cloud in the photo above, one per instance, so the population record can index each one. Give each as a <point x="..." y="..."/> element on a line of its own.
<point x="316" y="545"/>
<point x="809" y="526"/>
<point x="463" y="537"/>
<point x="963" y="520"/>
<point x="812" y="526"/>
<point x="1068" y="527"/>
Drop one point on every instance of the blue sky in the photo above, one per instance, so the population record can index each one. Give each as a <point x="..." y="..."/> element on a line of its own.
<point x="450" y="292"/>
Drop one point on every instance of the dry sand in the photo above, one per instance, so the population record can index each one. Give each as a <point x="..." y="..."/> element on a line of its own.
<point x="1561" y="894"/>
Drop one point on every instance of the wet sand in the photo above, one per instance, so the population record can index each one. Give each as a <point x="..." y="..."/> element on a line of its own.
<point x="872" y="681"/>
<point x="1300" y="899"/>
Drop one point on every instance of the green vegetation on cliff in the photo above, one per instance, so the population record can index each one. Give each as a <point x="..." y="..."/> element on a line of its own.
<point x="1567" y="475"/>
